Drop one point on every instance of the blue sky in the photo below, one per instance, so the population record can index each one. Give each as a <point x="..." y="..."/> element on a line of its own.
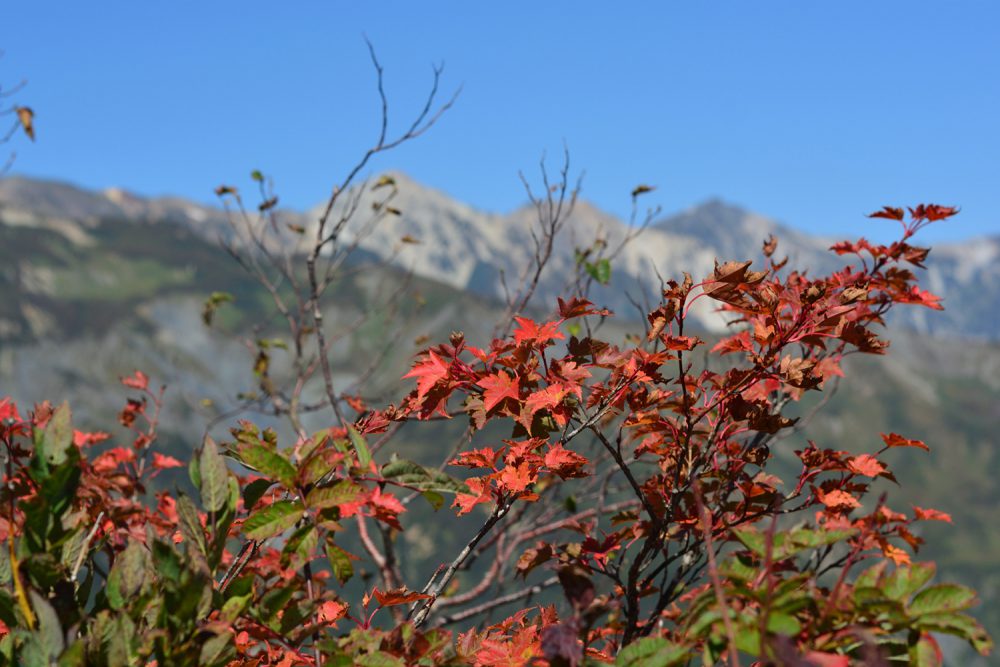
<point x="810" y="112"/>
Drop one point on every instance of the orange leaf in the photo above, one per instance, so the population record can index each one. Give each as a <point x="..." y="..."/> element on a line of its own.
<point x="137" y="381"/>
<point x="896" y="440"/>
<point x="27" y="118"/>
<point x="529" y="332"/>
<point x="497" y="388"/>
<point x="398" y="596"/>
<point x="867" y="465"/>
<point x="921" y="514"/>
<point x="429" y="373"/>
<point x="838" y="499"/>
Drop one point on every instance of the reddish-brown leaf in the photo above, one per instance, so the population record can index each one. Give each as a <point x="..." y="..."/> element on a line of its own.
<point x="896" y="440"/>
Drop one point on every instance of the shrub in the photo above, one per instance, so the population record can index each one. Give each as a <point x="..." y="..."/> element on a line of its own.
<point x="639" y="479"/>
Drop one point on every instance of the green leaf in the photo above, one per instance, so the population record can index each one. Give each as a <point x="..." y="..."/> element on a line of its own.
<point x="5" y="572"/>
<point x="434" y="499"/>
<point x="50" y="631"/>
<point x="194" y="536"/>
<point x="57" y="436"/>
<point x="214" y="476"/>
<point x="74" y="656"/>
<point x="748" y="640"/>
<point x="343" y="491"/>
<point x="254" y="491"/>
<point x="301" y="543"/>
<point x="271" y="520"/>
<point x="361" y="447"/>
<point x="419" y="477"/>
<point x="924" y="654"/>
<point x="340" y="562"/>
<point x="269" y="463"/>
<point x="127" y="574"/>
<point x="652" y="652"/>
<point x="907" y="580"/>
<point x="783" y="624"/>
<point x="942" y="598"/>
<point x="218" y="650"/>
<point x="256" y="175"/>
<point x="600" y="271"/>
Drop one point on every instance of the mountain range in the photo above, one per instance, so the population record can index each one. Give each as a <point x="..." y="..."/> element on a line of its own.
<point x="468" y="249"/>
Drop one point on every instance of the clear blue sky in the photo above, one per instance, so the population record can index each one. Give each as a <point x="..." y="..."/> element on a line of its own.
<point x="810" y="112"/>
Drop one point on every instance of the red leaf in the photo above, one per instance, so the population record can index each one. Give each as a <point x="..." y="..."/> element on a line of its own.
<point x="398" y="596"/>
<point x="497" y="388"/>
<point x="543" y="399"/>
<point x="577" y="307"/>
<point x="932" y="212"/>
<point x="137" y="381"/>
<point x="889" y="213"/>
<point x="529" y="332"/>
<point x="827" y="659"/>
<point x="330" y="611"/>
<point x="160" y="461"/>
<point x="480" y="494"/>
<point x="477" y="458"/>
<point x="8" y="410"/>
<point x="896" y="440"/>
<point x="867" y="465"/>
<point x="838" y="499"/>
<point x="81" y="439"/>
<point x="517" y="478"/>
<point x="921" y="514"/>
<point x="433" y="370"/>
<point x="681" y="343"/>
<point x="564" y="463"/>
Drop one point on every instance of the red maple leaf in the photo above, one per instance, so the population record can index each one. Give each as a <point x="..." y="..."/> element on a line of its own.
<point x="433" y="370"/>
<point x="528" y="331"/>
<point x="565" y="463"/>
<point x="498" y="387"/>
<point x="838" y="499"/>
<point x="866" y="464"/>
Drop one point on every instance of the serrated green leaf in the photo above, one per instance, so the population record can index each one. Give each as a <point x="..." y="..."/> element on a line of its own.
<point x="301" y="543"/>
<point x="924" y="654"/>
<point x="360" y="447"/>
<point x="270" y="463"/>
<point x="942" y="598"/>
<point x="50" y="631"/>
<point x="273" y="519"/>
<point x="343" y="491"/>
<point x="194" y="536"/>
<point x="57" y="437"/>
<point x="254" y="491"/>
<point x="127" y="574"/>
<point x="907" y="580"/>
<point x="652" y="652"/>
<point x="214" y="476"/>
<point x="340" y="562"/>
<point x="417" y="476"/>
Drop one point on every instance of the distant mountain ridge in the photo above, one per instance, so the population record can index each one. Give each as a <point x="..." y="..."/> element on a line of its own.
<point x="469" y="249"/>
